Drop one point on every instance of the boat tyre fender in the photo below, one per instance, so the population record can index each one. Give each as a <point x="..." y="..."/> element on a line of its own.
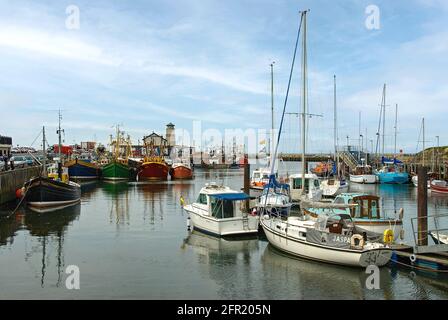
<point x="357" y="242"/>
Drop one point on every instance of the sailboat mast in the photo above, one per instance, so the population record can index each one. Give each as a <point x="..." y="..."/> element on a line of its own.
<point x="117" y="142"/>
<point x="334" y="110"/>
<point x="304" y="100"/>
<point x="272" y="144"/>
<point x="384" y="115"/>
<point x="395" y="139"/>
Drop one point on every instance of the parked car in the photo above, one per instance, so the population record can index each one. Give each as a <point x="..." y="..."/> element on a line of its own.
<point x="30" y="160"/>
<point x="19" y="161"/>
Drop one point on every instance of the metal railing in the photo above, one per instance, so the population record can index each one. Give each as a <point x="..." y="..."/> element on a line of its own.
<point x="440" y="247"/>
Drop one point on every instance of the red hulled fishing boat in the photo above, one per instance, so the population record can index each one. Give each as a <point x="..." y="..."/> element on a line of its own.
<point x="181" y="171"/>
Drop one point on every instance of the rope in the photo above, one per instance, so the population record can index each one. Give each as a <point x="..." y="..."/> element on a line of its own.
<point x="18" y="205"/>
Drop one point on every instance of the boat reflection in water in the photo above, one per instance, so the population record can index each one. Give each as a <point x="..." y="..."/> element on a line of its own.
<point x="50" y="229"/>
<point x="334" y="282"/>
<point x="118" y="193"/>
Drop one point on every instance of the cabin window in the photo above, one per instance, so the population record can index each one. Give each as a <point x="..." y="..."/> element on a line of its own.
<point x="375" y="209"/>
<point x="316" y="183"/>
<point x="202" y="199"/>
<point x="221" y="208"/>
<point x="339" y="200"/>
<point x="256" y="175"/>
<point x="364" y="208"/>
<point x="297" y="184"/>
<point x="355" y="211"/>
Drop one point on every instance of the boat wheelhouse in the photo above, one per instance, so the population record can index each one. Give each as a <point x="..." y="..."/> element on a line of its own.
<point x="312" y="190"/>
<point x="365" y="211"/>
<point x="219" y="211"/>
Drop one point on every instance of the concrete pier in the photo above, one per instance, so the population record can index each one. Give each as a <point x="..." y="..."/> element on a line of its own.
<point x="12" y="180"/>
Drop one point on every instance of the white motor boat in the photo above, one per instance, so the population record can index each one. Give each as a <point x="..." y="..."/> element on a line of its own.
<point x="312" y="187"/>
<point x="331" y="239"/>
<point x="332" y="187"/>
<point x="259" y="178"/>
<point x="275" y="199"/>
<point x="363" y="174"/>
<point x="219" y="211"/>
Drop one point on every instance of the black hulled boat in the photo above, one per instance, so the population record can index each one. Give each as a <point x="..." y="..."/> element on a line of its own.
<point x="46" y="193"/>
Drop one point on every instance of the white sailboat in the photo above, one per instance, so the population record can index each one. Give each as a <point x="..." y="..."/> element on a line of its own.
<point x="331" y="239"/>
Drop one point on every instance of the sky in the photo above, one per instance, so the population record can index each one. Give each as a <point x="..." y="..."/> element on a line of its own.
<point x="143" y="64"/>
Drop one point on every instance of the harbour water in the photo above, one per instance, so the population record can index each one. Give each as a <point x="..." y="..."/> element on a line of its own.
<point x="130" y="241"/>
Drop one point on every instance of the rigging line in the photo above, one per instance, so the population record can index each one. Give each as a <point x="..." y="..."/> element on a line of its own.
<point x="40" y="131"/>
<point x="287" y="92"/>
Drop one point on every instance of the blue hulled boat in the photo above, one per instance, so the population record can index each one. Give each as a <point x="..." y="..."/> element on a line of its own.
<point x="392" y="172"/>
<point x="82" y="170"/>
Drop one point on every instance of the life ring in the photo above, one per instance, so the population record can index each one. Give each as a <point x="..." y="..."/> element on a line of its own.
<point x="360" y="244"/>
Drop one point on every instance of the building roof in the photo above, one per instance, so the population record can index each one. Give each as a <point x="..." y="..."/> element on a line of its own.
<point x="170" y="125"/>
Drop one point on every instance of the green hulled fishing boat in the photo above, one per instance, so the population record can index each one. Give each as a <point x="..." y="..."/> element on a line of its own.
<point x="118" y="169"/>
<point x="115" y="171"/>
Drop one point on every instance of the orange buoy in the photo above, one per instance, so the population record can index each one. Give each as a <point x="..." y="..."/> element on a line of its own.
<point x="20" y="193"/>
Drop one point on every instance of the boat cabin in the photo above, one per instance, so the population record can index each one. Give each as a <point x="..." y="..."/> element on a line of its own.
<point x="221" y="202"/>
<point x="361" y="170"/>
<point x="367" y="206"/>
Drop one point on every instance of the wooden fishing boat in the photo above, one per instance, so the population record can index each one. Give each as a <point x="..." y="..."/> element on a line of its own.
<point x="181" y="170"/>
<point x="80" y="170"/>
<point x="153" y="168"/>
<point x="115" y="171"/>
<point x="53" y="191"/>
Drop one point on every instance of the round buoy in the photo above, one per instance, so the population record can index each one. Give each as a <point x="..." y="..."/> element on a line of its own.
<point x="19" y="193"/>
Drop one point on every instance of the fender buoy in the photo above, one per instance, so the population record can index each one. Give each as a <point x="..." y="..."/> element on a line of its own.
<point x="388" y="236"/>
<point x="413" y="257"/>
<point x="20" y="193"/>
<point x="360" y="244"/>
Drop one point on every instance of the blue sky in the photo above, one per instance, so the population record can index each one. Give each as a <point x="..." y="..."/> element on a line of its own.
<point x="146" y="63"/>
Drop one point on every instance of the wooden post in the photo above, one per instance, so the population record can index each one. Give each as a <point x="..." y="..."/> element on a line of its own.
<point x="246" y="180"/>
<point x="422" y="209"/>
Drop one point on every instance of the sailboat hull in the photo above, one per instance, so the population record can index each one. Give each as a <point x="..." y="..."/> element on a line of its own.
<point x="393" y="177"/>
<point x="279" y="237"/>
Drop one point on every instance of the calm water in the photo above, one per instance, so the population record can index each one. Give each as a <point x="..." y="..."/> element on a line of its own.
<point x="130" y="241"/>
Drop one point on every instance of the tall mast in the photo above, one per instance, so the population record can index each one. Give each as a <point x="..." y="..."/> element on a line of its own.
<point x="272" y="143"/>
<point x="359" y="137"/>
<point x="304" y="100"/>
<point x="335" y="119"/>
<point x="117" y="142"/>
<point x="395" y="127"/>
<point x="44" y="160"/>
<point x="384" y="115"/>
